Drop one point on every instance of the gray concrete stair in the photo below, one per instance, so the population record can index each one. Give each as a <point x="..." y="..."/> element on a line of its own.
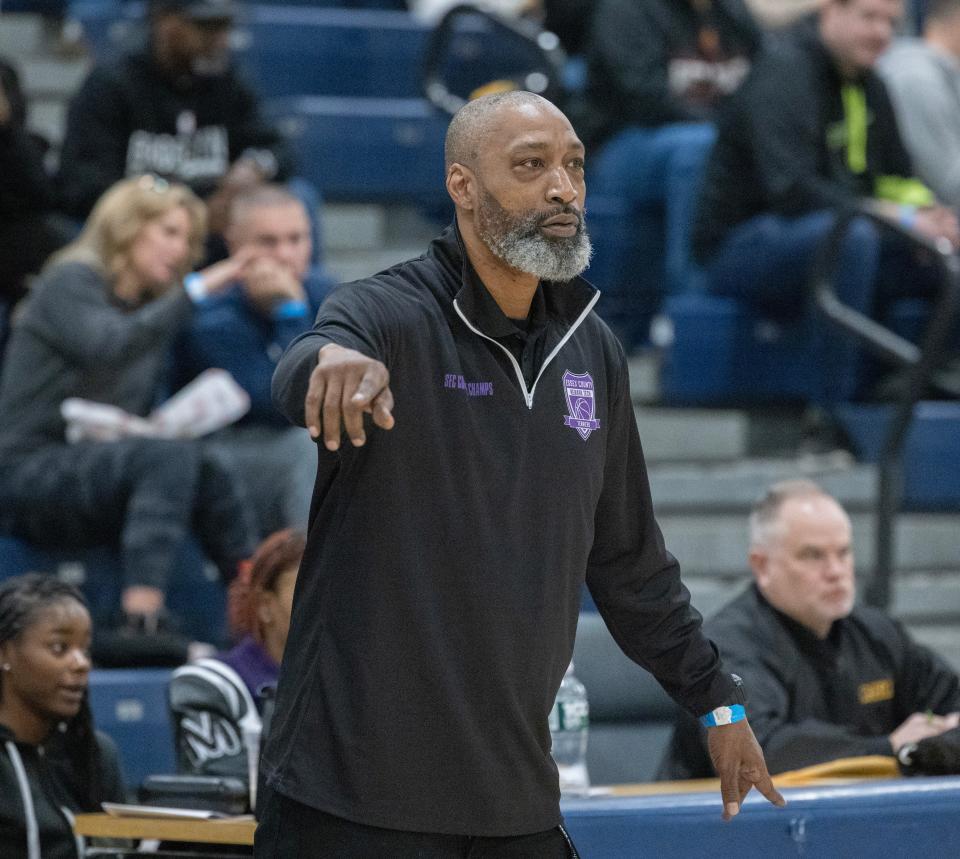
<point x="47" y="117"/>
<point x="943" y="639"/>
<point x="701" y="435"/>
<point x="21" y="35"/>
<point x="735" y="486"/>
<point x="715" y="544"/>
<point x="48" y="76"/>
<point x="362" y="239"/>
<point x="928" y="597"/>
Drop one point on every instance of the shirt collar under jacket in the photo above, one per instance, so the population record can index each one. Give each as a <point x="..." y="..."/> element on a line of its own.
<point x="482" y="309"/>
<point x="564" y="302"/>
<point x="824" y="650"/>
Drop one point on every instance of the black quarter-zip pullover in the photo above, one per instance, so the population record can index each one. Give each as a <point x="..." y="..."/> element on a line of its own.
<point x="438" y="597"/>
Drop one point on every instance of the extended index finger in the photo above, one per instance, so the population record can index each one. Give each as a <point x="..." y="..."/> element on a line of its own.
<point x="764" y="784"/>
<point x="375" y="379"/>
<point x="382" y="408"/>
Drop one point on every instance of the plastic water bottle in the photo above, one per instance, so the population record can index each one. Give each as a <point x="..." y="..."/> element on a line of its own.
<point x="569" y="723"/>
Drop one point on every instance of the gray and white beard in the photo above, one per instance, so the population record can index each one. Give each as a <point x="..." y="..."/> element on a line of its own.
<point x="517" y="240"/>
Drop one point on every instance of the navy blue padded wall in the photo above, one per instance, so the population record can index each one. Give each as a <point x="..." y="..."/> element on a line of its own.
<point x="911" y="817"/>
<point x="130" y="705"/>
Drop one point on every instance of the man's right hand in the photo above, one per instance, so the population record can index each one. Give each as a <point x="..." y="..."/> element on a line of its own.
<point x="938" y="222"/>
<point x="268" y="283"/>
<point x="344" y="386"/>
<point x="920" y="726"/>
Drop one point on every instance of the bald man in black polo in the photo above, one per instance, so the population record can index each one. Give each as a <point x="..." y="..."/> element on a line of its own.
<point x="451" y="532"/>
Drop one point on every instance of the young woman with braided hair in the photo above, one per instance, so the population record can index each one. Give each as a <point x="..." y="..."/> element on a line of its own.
<point x="214" y="700"/>
<point x="52" y="761"/>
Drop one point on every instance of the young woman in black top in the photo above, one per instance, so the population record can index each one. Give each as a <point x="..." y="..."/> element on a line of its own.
<point x="52" y="761"/>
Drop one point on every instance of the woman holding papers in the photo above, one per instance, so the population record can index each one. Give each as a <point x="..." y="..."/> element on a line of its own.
<point x="98" y="325"/>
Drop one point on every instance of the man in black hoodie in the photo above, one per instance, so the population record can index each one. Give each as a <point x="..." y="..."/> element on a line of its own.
<point x="811" y="131"/>
<point x="435" y="611"/>
<point x="176" y="109"/>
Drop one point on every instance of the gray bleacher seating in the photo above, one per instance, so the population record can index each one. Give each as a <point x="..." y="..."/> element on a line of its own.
<point x="719" y="351"/>
<point x="931" y="454"/>
<point x="293" y="49"/>
<point x="631" y="717"/>
<point x="367" y="149"/>
<point x="297" y="50"/>
<point x="198" y="602"/>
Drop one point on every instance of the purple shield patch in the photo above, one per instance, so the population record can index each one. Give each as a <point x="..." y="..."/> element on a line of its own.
<point x="582" y="402"/>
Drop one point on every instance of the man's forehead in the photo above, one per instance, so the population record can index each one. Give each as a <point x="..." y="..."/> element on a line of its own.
<point x="810" y="514"/>
<point x="887" y="7"/>
<point x="270" y="216"/>
<point x="544" y="140"/>
<point x="529" y="126"/>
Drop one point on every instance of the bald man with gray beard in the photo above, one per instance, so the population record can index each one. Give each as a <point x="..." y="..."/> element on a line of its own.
<point x="479" y="461"/>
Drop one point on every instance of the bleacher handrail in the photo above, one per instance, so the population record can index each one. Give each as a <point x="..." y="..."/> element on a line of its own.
<point x="919" y="361"/>
<point x="542" y="43"/>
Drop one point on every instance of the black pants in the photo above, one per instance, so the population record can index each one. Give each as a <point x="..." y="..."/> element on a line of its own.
<point x="290" y="830"/>
<point x="146" y="493"/>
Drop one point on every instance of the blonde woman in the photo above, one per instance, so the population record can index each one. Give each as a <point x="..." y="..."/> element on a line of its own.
<point x="99" y="325"/>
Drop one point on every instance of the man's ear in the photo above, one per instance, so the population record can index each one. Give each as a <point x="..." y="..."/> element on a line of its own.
<point x="230" y="237"/>
<point x="265" y="610"/>
<point x="759" y="565"/>
<point x="462" y="186"/>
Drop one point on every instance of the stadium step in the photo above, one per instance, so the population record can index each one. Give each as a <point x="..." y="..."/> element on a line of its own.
<point x="21" y="35"/>
<point x="941" y="638"/>
<point x="734" y="487"/>
<point x="716" y="544"/>
<point x="49" y="76"/>
<point x="361" y="239"/>
<point x="701" y="435"/>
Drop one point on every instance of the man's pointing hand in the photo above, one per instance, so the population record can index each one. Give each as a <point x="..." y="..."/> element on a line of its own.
<point x="739" y="762"/>
<point x="344" y="386"/>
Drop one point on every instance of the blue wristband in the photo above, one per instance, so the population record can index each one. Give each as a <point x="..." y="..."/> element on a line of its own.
<point x="195" y="287"/>
<point x="907" y="216"/>
<point x="291" y="309"/>
<point x="724" y="716"/>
